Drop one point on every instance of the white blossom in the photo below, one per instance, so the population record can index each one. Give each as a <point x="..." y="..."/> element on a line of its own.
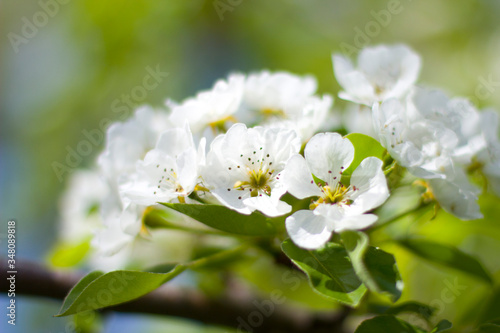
<point x="423" y="146"/>
<point x="284" y="100"/>
<point x="211" y="109"/>
<point x="79" y="206"/>
<point x="383" y="72"/>
<point x="456" y="195"/>
<point x="336" y="207"/>
<point x="126" y="143"/>
<point x="168" y="172"/>
<point x="433" y="137"/>
<point x="244" y="168"/>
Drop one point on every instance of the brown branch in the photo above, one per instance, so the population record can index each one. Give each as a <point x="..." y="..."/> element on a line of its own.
<point x="231" y="311"/>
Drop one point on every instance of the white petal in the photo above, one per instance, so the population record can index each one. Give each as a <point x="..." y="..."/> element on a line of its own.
<point x="455" y="199"/>
<point x="267" y="205"/>
<point x="187" y="164"/>
<point x="356" y="222"/>
<point x="327" y="154"/>
<point x="298" y="179"/>
<point x="371" y="185"/>
<point x="307" y="230"/>
<point x="234" y="199"/>
<point x="357" y="87"/>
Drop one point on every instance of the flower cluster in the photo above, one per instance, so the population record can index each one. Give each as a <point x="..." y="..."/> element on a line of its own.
<point x="251" y="139"/>
<point x="435" y="137"/>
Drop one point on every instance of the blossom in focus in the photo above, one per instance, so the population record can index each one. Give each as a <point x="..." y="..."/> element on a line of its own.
<point x="244" y="168"/>
<point x="383" y="72"/>
<point x="335" y="206"/>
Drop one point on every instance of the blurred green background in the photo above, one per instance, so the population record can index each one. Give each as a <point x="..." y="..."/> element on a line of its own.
<point x="71" y="69"/>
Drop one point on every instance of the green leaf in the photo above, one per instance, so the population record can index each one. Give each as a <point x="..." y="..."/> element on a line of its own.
<point x="225" y="219"/>
<point x="421" y="309"/>
<point x="98" y="290"/>
<point x="447" y="256"/>
<point x="69" y="254"/>
<point x="442" y="326"/>
<point x="364" y="146"/>
<point x="386" y="324"/>
<point x="376" y="268"/>
<point x="78" y="289"/>
<point x="384" y="272"/>
<point x="329" y="271"/>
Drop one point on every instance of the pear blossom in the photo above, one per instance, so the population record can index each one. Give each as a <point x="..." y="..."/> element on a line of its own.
<point x="431" y="138"/>
<point x="126" y="143"/>
<point x="211" y="108"/>
<point x="244" y="168"/>
<point x="167" y="172"/>
<point x="357" y="118"/>
<point x="457" y="115"/>
<point x="281" y="99"/>
<point x="488" y="159"/>
<point x="457" y="196"/>
<point x="423" y="146"/>
<point x="79" y="205"/>
<point x="335" y="206"/>
<point x="383" y="72"/>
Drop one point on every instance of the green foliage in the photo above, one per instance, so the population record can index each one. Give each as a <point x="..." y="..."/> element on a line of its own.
<point x="376" y="268"/>
<point x="442" y="326"/>
<point x="386" y="324"/>
<point x="364" y="146"/>
<point x="447" y="256"/>
<point x="98" y="290"/>
<point x="66" y="254"/>
<point x="423" y="310"/>
<point x="225" y="219"/>
<point x="329" y="270"/>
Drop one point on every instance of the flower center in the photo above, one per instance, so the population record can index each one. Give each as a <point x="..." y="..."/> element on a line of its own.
<point x="272" y="113"/>
<point x="258" y="182"/>
<point x="340" y="194"/>
<point x="257" y="173"/>
<point x="219" y="126"/>
<point x="168" y="181"/>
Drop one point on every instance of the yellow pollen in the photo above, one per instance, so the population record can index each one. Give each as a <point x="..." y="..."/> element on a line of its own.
<point x="258" y="181"/>
<point x="332" y="196"/>
<point x="268" y="113"/>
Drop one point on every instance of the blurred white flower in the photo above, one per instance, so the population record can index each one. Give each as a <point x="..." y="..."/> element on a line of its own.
<point x="489" y="158"/>
<point x="383" y="72"/>
<point x="456" y="114"/>
<point x="456" y="195"/>
<point x="423" y="146"/>
<point x="210" y="109"/>
<point x="79" y="206"/>
<point x="244" y="168"/>
<point x="357" y="118"/>
<point x="434" y="137"/>
<point x="168" y="172"/>
<point x="337" y="207"/>
<point x="126" y="143"/>
<point x="284" y="100"/>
